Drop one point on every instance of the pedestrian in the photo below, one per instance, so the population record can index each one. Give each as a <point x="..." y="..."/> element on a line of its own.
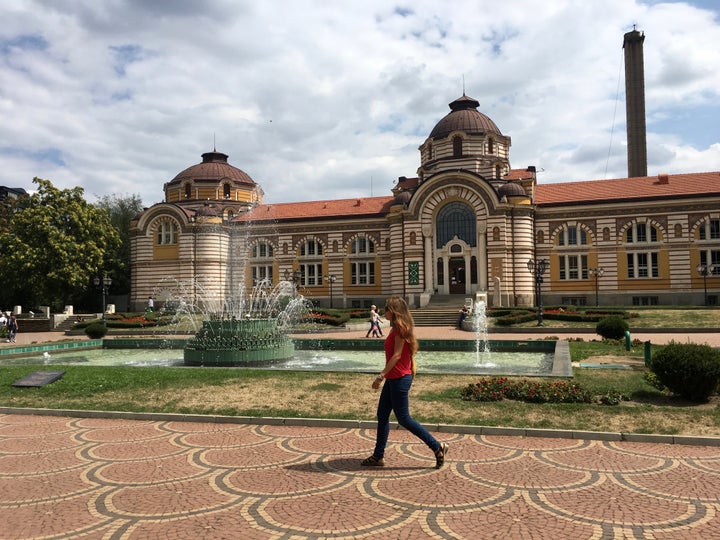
<point x="373" y="322"/>
<point x="400" y="348"/>
<point x="12" y="327"/>
<point x="151" y="304"/>
<point x="463" y="315"/>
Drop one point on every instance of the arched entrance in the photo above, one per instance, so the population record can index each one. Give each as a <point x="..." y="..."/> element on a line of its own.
<point x="456" y="248"/>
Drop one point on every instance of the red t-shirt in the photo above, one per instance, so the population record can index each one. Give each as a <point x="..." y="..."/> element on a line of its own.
<point x="404" y="365"/>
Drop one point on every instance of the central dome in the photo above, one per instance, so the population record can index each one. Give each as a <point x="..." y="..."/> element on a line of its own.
<point x="214" y="166"/>
<point x="464" y="116"/>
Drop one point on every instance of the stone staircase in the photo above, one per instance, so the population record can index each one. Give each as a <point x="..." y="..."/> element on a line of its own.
<point x="441" y="311"/>
<point x="69" y="323"/>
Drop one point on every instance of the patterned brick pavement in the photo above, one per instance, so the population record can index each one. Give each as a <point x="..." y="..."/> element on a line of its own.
<point x="95" y="478"/>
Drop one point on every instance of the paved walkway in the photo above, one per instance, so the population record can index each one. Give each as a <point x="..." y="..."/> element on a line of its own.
<point x="147" y="477"/>
<point x="92" y="478"/>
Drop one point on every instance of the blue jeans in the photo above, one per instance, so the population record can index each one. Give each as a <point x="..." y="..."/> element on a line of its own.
<point x="394" y="398"/>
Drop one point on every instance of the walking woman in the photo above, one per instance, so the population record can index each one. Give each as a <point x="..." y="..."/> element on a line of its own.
<point x="400" y="348"/>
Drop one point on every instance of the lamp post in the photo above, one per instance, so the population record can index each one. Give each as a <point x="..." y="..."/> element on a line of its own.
<point x="104" y="285"/>
<point x="704" y="270"/>
<point x="330" y="279"/>
<point x="597" y="272"/>
<point x="537" y="269"/>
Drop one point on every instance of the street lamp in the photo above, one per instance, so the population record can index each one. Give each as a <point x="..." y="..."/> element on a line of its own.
<point x="105" y="282"/>
<point x="597" y="272"/>
<point x="705" y="270"/>
<point x="330" y="279"/>
<point x="537" y="269"/>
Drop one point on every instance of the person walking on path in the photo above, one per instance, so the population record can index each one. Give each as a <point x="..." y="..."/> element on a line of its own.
<point x="12" y="327"/>
<point x="374" y="323"/>
<point x="400" y="348"/>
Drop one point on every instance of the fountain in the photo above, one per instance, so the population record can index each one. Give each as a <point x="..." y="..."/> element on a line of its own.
<point x="480" y="325"/>
<point x="243" y="330"/>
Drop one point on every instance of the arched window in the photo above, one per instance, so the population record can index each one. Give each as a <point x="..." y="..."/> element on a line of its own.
<point x="498" y="172"/>
<point x="226" y="191"/>
<point x="188" y="190"/>
<point x="413" y="238"/>
<point x="678" y="230"/>
<point x="457" y="146"/>
<point x="490" y="146"/>
<point x="496" y="234"/>
<point x="167" y="233"/>
<point x="710" y="230"/>
<point x="540" y="237"/>
<point x="362" y="244"/>
<point x="456" y="219"/>
<point x="572" y="236"/>
<point x="642" y="262"/>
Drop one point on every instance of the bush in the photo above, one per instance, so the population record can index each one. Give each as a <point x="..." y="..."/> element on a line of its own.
<point x="688" y="370"/>
<point x="96" y="330"/>
<point x="612" y="327"/>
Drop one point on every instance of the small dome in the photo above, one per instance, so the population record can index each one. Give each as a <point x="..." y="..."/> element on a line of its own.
<point x="403" y="197"/>
<point x="214" y="166"/>
<point x="464" y="116"/>
<point x="511" y="189"/>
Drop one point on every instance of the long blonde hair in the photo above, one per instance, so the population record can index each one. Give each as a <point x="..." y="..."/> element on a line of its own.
<point x="402" y="321"/>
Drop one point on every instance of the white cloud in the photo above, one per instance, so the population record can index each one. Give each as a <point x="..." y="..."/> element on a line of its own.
<point x="326" y="99"/>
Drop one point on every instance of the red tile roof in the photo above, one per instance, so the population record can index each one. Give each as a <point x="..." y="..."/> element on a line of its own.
<point x="357" y="207"/>
<point x="563" y="193"/>
<point x="624" y="189"/>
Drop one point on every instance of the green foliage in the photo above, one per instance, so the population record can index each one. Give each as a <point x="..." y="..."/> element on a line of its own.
<point x="688" y="370"/>
<point x="612" y="327"/>
<point x="530" y="391"/>
<point x="121" y="210"/>
<point x="53" y="246"/>
<point x="96" y="330"/>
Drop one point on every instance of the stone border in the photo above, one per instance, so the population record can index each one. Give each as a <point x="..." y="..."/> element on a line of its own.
<point x="693" y="440"/>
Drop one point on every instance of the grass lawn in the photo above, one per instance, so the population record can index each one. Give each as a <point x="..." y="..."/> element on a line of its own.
<point x="434" y="398"/>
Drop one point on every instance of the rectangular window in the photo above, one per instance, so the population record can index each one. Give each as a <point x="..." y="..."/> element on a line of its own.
<point x="643" y="265"/>
<point x="573" y="267"/>
<point x="362" y="273"/>
<point x="260" y="273"/>
<point x="561" y="238"/>
<point x="311" y="275"/>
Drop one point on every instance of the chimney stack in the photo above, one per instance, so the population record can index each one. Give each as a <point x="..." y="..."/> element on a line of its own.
<point x="635" y="103"/>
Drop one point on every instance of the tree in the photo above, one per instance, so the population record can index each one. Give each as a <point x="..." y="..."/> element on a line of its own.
<point x="53" y="246"/>
<point x="122" y="210"/>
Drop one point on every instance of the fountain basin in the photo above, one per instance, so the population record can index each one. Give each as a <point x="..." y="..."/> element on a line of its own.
<point x="238" y="342"/>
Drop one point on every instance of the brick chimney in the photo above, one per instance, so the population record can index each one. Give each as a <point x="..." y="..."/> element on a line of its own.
<point x="635" y="103"/>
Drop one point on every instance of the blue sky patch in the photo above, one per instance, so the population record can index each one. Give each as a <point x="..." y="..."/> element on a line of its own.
<point x="28" y="42"/>
<point x="49" y="155"/>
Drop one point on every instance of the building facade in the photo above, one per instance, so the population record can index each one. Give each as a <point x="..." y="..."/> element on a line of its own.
<point x="467" y="225"/>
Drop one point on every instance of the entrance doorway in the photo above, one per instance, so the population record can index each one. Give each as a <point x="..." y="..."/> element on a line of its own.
<point x="456" y="269"/>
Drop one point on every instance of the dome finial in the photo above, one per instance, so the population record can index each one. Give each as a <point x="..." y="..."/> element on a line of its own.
<point x="463" y="84"/>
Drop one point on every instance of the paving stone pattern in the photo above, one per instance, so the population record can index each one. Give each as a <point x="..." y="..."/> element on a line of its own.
<point x="90" y="478"/>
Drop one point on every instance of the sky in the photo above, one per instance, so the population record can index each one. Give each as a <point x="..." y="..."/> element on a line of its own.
<point x="323" y="99"/>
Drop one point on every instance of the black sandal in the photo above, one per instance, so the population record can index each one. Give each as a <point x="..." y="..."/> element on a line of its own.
<point x="372" y="461"/>
<point x="440" y="454"/>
